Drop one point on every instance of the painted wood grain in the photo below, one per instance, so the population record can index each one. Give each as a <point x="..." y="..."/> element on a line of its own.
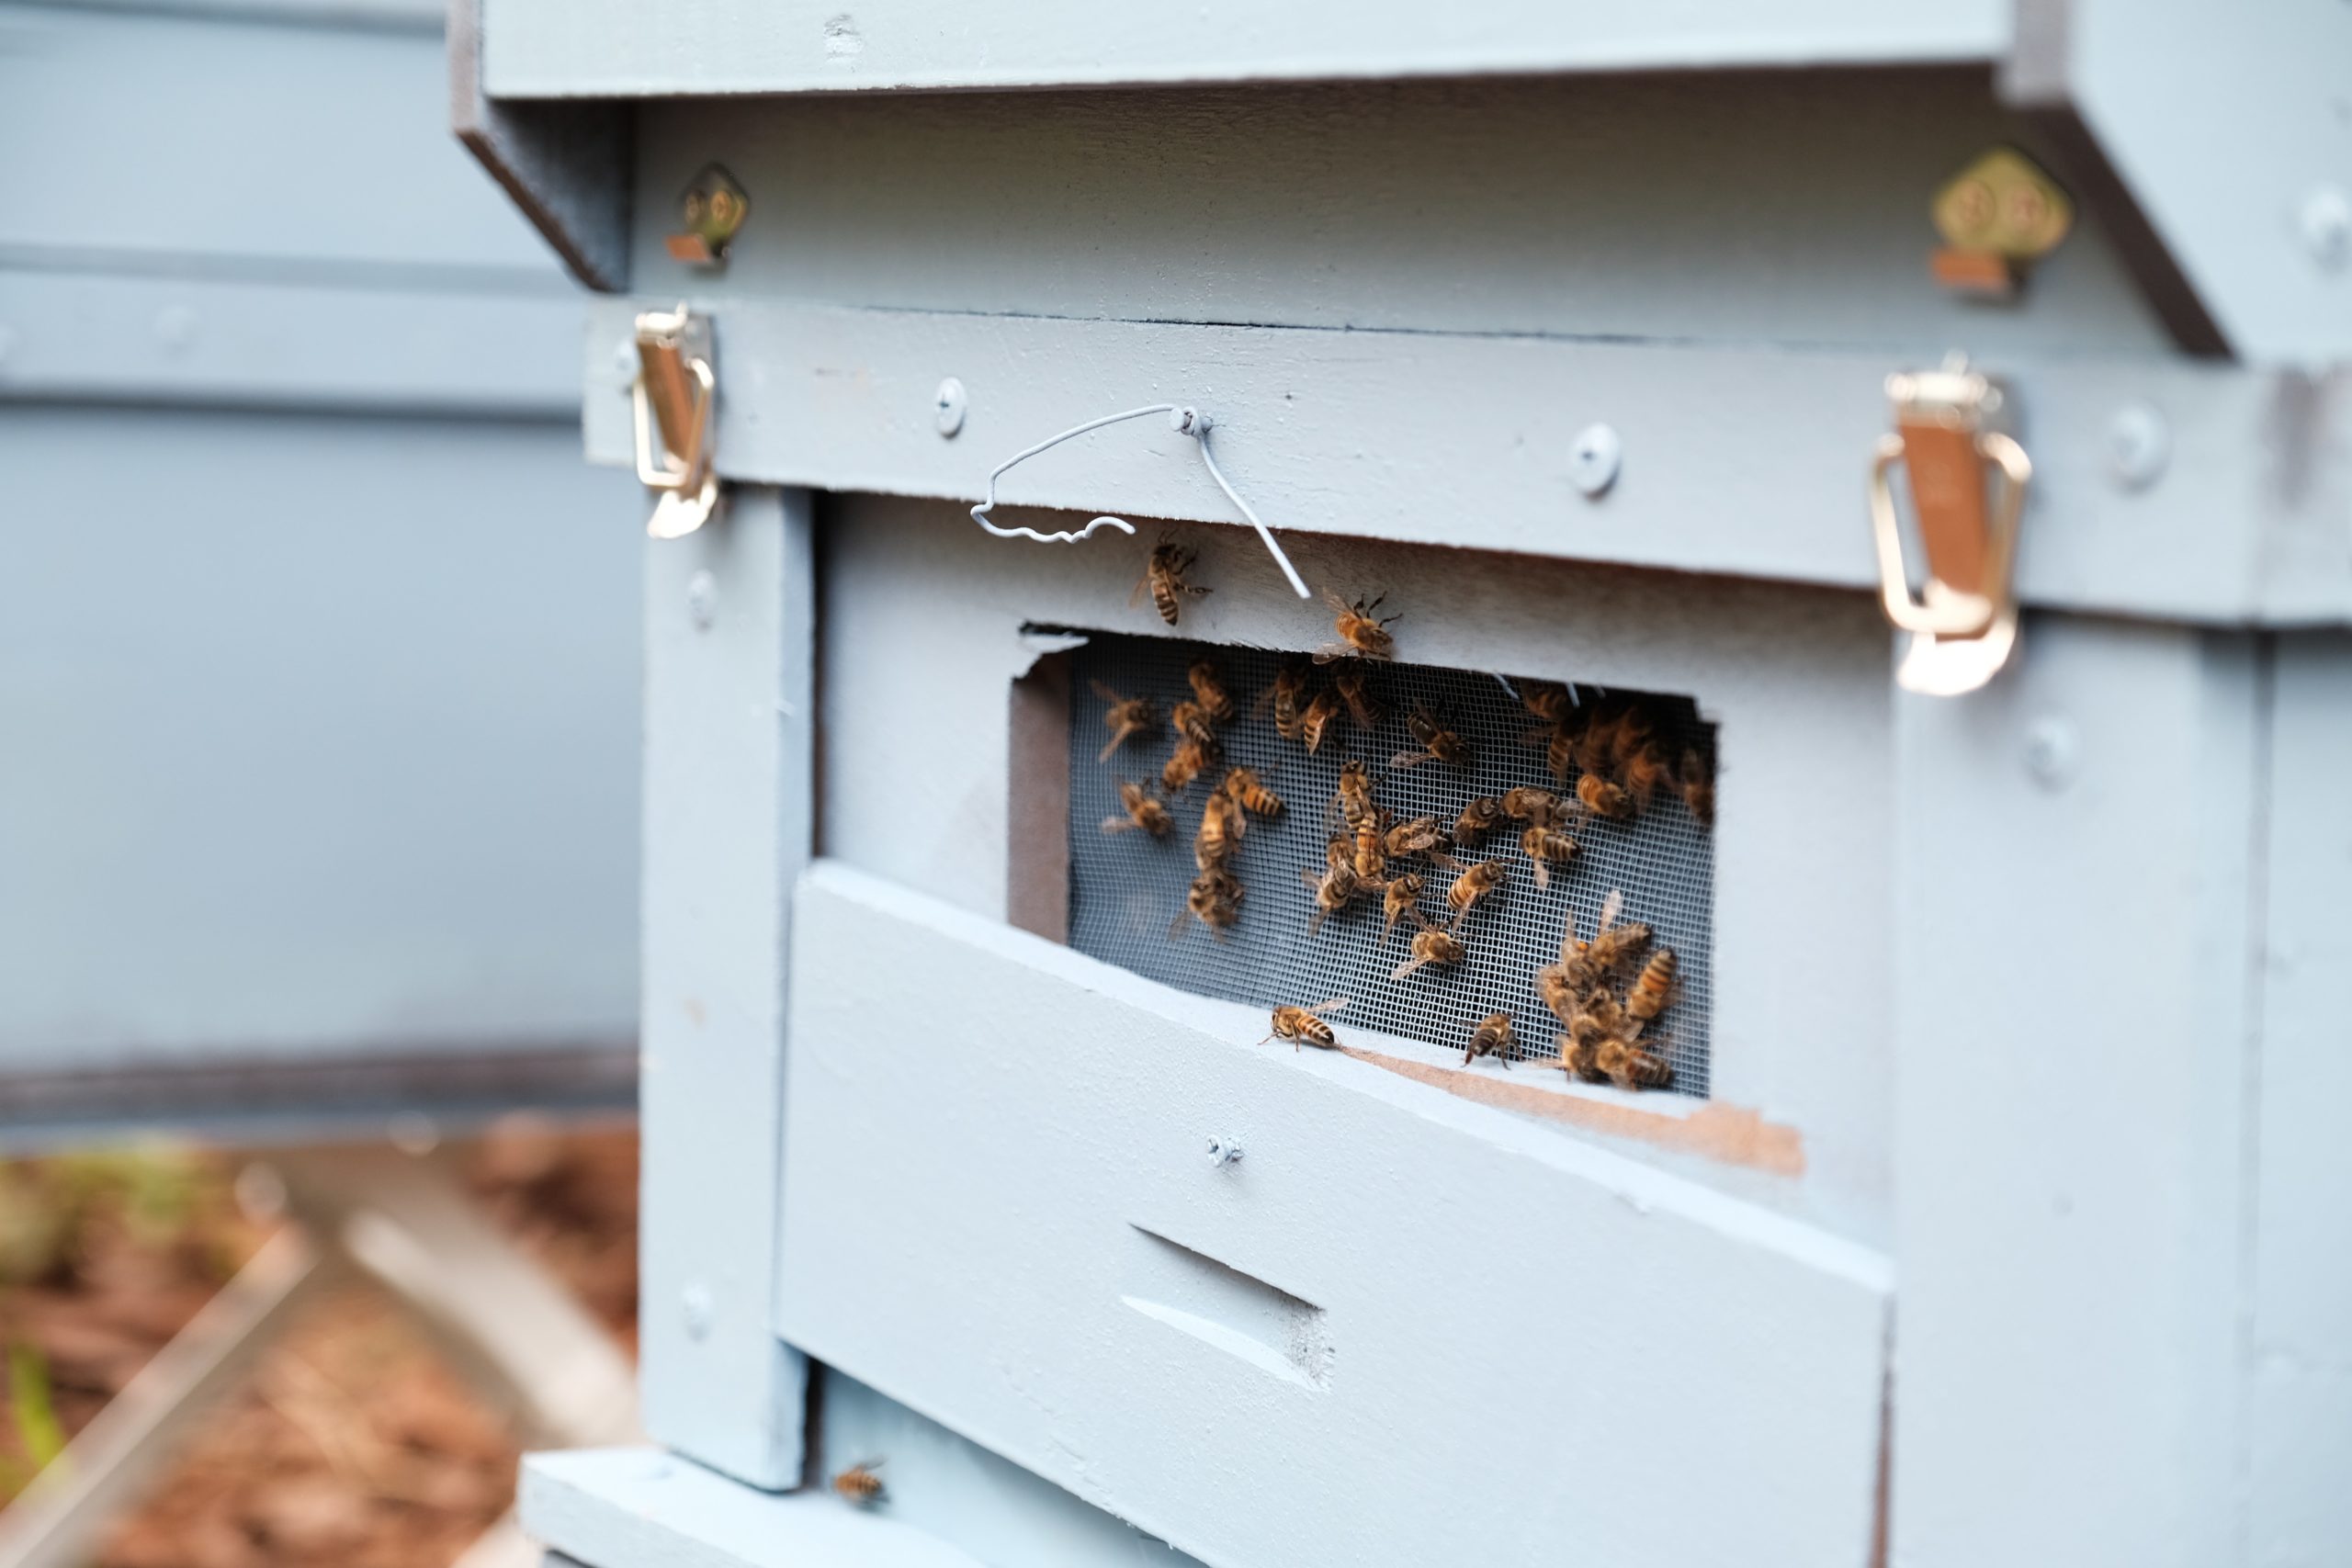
<point x="997" y="1210"/>
<point x="730" y="646"/>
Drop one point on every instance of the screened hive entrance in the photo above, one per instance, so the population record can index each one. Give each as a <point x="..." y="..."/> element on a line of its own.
<point x="1126" y="889"/>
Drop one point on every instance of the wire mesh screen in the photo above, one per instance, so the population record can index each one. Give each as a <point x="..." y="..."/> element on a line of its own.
<point x="1128" y="888"/>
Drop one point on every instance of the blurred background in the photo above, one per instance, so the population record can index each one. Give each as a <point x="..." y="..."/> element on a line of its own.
<point x="318" y="805"/>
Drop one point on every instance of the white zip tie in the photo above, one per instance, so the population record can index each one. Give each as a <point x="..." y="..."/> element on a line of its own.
<point x="1185" y="420"/>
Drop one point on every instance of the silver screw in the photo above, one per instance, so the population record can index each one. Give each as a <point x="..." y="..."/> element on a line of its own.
<point x="2328" y="227"/>
<point x="702" y="599"/>
<point x="947" y="406"/>
<point x="695" y="1307"/>
<point x="1593" y="460"/>
<point x="2050" y="748"/>
<point x="1223" y="1151"/>
<point x="2139" y="444"/>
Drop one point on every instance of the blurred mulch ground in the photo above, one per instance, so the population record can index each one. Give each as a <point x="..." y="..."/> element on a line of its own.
<point x="356" y="1446"/>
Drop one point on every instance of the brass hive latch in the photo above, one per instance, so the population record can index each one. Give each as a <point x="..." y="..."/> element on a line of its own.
<point x="1968" y="479"/>
<point x="672" y="396"/>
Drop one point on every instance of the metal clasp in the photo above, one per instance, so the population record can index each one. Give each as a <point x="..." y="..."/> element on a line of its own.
<point x="674" y="390"/>
<point x="1948" y="436"/>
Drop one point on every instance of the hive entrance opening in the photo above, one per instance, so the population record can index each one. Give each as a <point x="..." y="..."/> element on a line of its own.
<point x="1126" y="889"/>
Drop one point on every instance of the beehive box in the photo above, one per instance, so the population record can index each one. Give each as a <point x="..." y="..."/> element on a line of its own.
<point x="320" y="749"/>
<point x="1976" y="1218"/>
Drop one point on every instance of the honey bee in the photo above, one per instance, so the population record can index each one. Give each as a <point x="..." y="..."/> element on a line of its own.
<point x="1602" y="798"/>
<point x="1643" y="772"/>
<point x="1163" y="574"/>
<point x="1192" y="721"/>
<point x="1472" y="886"/>
<point x="1215" y="899"/>
<point x="1353" y="683"/>
<point x="1287" y="696"/>
<point x="1354" y="796"/>
<point x="858" y="1485"/>
<point x="1127" y="716"/>
<point x="1247" y="791"/>
<point x="1188" y="761"/>
<point x="1222" y="825"/>
<point x="1594" y="1019"/>
<point x="1142" y="811"/>
<point x="1400" y="897"/>
<point x="1315" y="722"/>
<point x="1432" y="945"/>
<point x="1652" y="989"/>
<point x="1301" y="1026"/>
<point x="1611" y="947"/>
<point x="1372" y="845"/>
<point x="1422" y="836"/>
<point x="1526" y="804"/>
<point x="1361" y="636"/>
<point x="1208" y="690"/>
<point x="1630" y="738"/>
<point x="1547" y="700"/>
<point x="1438" y="744"/>
<point x="1546" y="847"/>
<point x="1491" y="1038"/>
<point x="1338" y="886"/>
<point x="1628" y="1066"/>
<point x="1478" y="818"/>
<point x="1697" y="789"/>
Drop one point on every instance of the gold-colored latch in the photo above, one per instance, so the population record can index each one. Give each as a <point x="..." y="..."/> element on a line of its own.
<point x="1968" y="479"/>
<point x="1998" y="217"/>
<point x="713" y="209"/>
<point x="675" y="391"/>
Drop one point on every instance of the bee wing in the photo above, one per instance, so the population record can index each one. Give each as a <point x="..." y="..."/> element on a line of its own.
<point x="1406" y="968"/>
<point x="1117" y="825"/>
<point x="1331" y="652"/>
<point x="1409" y="759"/>
<point x="1134" y="595"/>
<point x="1338" y="604"/>
<point x="1105" y="692"/>
<point x="1568" y="939"/>
<point x="1542" y="872"/>
<point x="1111" y="746"/>
<point x="1176" y="929"/>
<point x="1610" y="907"/>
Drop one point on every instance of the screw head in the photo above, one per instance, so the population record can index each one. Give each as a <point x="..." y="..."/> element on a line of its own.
<point x="2050" y="751"/>
<point x="1593" y="460"/>
<point x="1187" y="421"/>
<point x="702" y="599"/>
<point x="947" y="406"/>
<point x="1223" y="1151"/>
<point x="695" y="1307"/>
<point x="2328" y="227"/>
<point x="2139" y="444"/>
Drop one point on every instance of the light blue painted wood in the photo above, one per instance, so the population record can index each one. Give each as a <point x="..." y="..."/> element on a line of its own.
<point x="730" y="706"/>
<point x="2299" y="1369"/>
<point x="644" y="1509"/>
<point x="2073" y="915"/>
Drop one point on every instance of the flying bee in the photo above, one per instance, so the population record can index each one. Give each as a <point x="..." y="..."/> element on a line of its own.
<point x="1163" y="574"/>
<point x="1546" y="847"/>
<point x="1188" y="761"/>
<point x="1478" y="818"/>
<point x="1287" y="697"/>
<point x="1526" y="804"/>
<point x="1400" y="897"/>
<point x="1697" y="789"/>
<point x="1372" y="845"/>
<point x="1142" y="811"/>
<point x="1192" y="721"/>
<point x="1208" y="690"/>
<point x="1432" y="945"/>
<point x="858" y="1485"/>
<point x="1422" y="836"/>
<point x="1219" y="835"/>
<point x="1361" y="636"/>
<point x="1353" y="683"/>
<point x="1315" y="722"/>
<point x="1652" y="989"/>
<point x="1127" y="716"/>
<point x="1338" y="886"/>
<point x="1643" y="772"/>
<point x="1354" y="796"/>
<point x="1301" y="1026"/>
<point x="1472" y="886"/>
<point x="1214" y="899"/>
<point x="1438" y="744"/>
<point x="1602" y="798"/>
<point x="1247" y="791"/>
<point x="1491" y="1038"/>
